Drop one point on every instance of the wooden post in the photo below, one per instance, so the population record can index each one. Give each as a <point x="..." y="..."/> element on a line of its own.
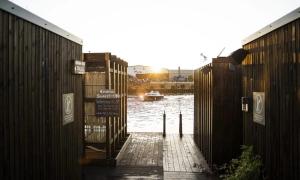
<point x="108" y="137"/>
<point x="164" y="124"/>
<point x="180" y="124"/>
<point x="108" y="121"/>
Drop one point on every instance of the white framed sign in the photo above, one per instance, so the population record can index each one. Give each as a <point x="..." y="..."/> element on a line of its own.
<point x="68" y="108"/>
<point x="78" y="67"/>
<point x="259" y="107"/>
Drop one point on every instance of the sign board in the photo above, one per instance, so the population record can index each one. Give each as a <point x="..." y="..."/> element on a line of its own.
<point x="68" y="108"/>
<point x="107" y="104"/>
<point x="259" y="107"/>
<point x="78" y="67"/>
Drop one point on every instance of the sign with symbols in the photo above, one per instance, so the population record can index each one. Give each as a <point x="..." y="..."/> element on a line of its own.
<point x="107" y="104"/>
<point x="259" y="107"/>
<point x="68" y="108"/>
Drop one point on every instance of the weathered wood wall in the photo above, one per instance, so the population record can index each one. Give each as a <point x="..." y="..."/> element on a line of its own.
<point x="111" y="73"/>
<point x="34" y="74"/>
<point x="217" y="113"/>
<point x="273" y="67"/>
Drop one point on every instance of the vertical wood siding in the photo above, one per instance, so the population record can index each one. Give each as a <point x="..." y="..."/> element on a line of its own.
<point x="34" y="73"/>
<point x="217" y="114"/>
<point x="272" y="66"/>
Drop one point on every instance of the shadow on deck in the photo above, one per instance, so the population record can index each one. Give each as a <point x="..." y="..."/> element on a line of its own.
<point x="150" y="156"/>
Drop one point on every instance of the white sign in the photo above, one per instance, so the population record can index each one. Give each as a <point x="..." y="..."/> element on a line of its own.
<point x="68" y="108"/>
<point x="259" y="107"/>
<point x="78" y="67"/>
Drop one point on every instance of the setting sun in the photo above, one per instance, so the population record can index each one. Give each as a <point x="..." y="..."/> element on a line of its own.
<point x="156" y="69"/>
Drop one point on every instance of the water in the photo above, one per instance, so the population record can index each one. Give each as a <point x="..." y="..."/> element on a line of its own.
<point x="147" y="116"/>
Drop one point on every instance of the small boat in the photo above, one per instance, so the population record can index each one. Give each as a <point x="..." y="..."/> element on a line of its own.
<point x="153" y="96"/>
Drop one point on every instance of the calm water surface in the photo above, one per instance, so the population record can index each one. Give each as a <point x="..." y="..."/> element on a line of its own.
<point x="147" y="116"/>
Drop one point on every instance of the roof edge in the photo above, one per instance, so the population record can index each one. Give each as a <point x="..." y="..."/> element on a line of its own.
<point x="16" y="10"/>
<point x="292" y="16"/>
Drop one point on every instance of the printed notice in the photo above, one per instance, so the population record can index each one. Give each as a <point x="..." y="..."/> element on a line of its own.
<point x="107" y="104"/>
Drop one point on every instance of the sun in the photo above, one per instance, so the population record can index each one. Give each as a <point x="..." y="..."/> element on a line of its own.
<point x="156" y="69"/>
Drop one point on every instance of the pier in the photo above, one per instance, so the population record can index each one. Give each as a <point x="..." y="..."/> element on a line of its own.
<point x="66" y="114"/>
<point x="150" y="156"/>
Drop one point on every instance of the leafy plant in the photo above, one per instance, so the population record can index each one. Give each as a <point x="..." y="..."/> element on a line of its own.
<point x="246" y="167"/>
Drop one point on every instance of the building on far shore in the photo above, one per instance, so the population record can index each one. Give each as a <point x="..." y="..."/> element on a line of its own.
<point x="144" y="78"/>
<point x="173" y="75"/>
<point x="138" y="69"/>
<point x="181" y="75"/>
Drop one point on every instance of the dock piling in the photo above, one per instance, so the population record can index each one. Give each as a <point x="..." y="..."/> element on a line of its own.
<point x="180" y="124"/>
<point x="164" y="124"/>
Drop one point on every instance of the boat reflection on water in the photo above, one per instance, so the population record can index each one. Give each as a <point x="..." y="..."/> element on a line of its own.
<point x="153" y="96"/>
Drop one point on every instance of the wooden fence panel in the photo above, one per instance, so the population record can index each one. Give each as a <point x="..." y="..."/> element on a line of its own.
<point x="218" y="118"/>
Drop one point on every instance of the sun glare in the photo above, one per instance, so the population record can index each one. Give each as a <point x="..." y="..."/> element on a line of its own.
<point x="156" y="69"/>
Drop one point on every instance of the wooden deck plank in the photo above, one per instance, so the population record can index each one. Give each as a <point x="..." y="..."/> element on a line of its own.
<point x="149" y="156"/>
<point x="176" y="140"/>
<point x="189" y="156"/>
<point x="160" y="153"/>
<point x="129" y="153"/>
<point x="145" y="149"/>
<point x="184" y="154"/>
<point x="198" y="158"/>
<point x="199" y="155"/>
<point x="166" y="155"/>
<point x="170" y="160"/>
<point x="187" y="175"/>
<point x="133" y="150"/>
<point x="172" y="153"/>
<point x="177" y="166"/>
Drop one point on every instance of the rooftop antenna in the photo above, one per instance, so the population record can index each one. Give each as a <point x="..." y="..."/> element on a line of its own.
<point x="204" y="57"/>
<point x="221" y="52"/>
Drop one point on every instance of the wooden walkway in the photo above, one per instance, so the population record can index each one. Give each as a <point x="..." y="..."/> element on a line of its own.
<point x="182" y="155"/>
<point x="145" y="149"/>
<point x="150" y="156"/>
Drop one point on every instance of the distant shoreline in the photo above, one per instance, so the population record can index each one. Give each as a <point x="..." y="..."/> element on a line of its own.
<point x="164" y="92"/>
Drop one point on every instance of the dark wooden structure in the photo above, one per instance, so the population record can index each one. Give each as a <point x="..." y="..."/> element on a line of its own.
<point x="35" y="72"/>
<point x="104" y="136"/>
<point x="273" y="67"/>
<point x="217" y="110"/>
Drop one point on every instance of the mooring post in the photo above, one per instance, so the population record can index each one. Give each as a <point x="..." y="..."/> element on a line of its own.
<point x="164" y="124"/>
<point x="180" y="124"/>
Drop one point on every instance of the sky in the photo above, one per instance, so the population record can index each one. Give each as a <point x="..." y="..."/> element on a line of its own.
<point x="161" y="33"/>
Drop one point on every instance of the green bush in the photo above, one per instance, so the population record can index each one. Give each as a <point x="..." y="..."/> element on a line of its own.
<point x="246" y="167"/>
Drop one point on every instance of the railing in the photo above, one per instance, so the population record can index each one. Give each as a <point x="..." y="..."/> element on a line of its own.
<point x="95" y="129"/>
